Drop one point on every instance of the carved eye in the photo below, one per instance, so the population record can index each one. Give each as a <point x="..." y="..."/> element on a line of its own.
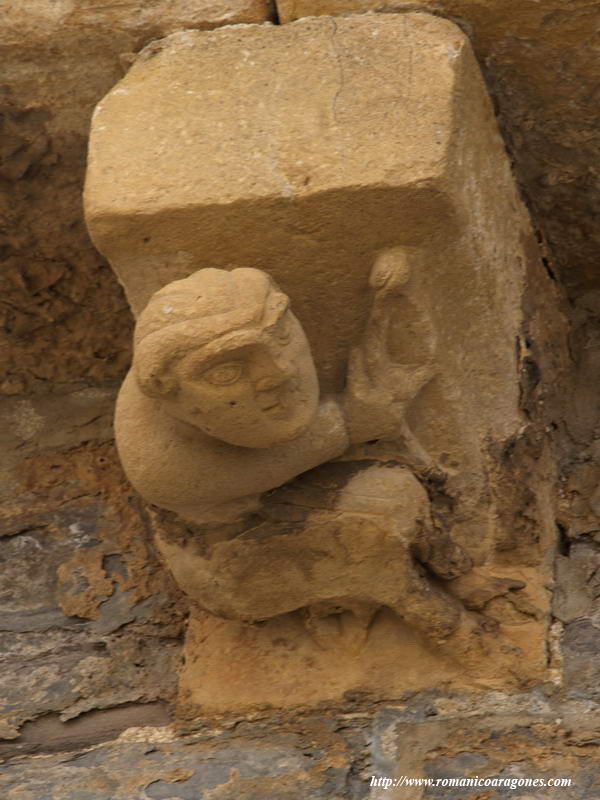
<point x="283" y="330"/>
<point x="224" y="374"/>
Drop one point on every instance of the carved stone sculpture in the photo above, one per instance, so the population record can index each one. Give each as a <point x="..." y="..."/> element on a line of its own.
<point x="333" y="491"/>
<point x="223" y="403"/>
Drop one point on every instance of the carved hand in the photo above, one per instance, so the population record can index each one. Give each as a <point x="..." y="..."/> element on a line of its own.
<point x="378" y="392"/>
<point x="392" y="362"/>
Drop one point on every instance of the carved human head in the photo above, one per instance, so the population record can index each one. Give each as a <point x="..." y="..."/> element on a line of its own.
<point x="223" y="352"/>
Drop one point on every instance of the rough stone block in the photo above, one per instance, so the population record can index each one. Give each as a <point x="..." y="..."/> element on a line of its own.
<point x="154" y="764"/>
<point x="506" y="745"/>
<point x="289" y="10"/>
<point x="88" y="618"/>
<point x="43" y="21"/>
<point x="302" y="150"/>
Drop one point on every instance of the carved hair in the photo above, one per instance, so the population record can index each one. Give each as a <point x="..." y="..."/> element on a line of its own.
<point x="204" y="309"/>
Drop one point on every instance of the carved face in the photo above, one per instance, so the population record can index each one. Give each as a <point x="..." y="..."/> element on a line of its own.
<point x="259" y="390"/>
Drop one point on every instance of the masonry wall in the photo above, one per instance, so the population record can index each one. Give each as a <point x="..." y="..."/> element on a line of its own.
<point x="91" y="623"/>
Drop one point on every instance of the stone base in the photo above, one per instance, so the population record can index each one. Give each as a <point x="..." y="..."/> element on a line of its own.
<point x="293" y="661"/>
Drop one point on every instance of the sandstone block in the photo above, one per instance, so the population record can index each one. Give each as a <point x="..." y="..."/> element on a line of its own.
<point x="66" y="319"/>
<point x="355" y="162"/>
<point x="43" y="22"/>
<point x="537" y="58"/>
<point x="290" y="10"/>
<point x="303" y="150"/>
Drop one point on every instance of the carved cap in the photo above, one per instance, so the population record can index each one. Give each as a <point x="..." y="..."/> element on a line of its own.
<point x="225" y="300"/>
<point x="201" y="309"/>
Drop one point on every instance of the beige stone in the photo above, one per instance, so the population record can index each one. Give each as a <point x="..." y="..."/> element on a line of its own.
<point x="290" y="10"/>
<point x="222" y="402"/>
<point x="263" y="169"/>
<point x="305" y="608"/>
<point x="371" y="185"/>
<point x="65" y="319"/>
<point x="537" y="57"/>
<point x="222" y="405"/>
<point x="316" y="152"/>
<point x="41" y="22"/>
<point x="293" y="660"/>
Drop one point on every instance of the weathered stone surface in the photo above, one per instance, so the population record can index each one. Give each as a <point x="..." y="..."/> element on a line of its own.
<point x="338" y="755"/>
<point x="66" y="320"/>
<point x="581" y="653"/>
<point x="535" y="61"/>
<point x="48" y="733"/>
<point x="39" y="23"/>
<point x="63" y="316"/>
<point x="537" y="57"/>
<point x="30" y="425"/>
<point x="510" y="738"/>
<point x="341" y="183"/>
<point x="151" y="764"/>
<point x="383" y="162"/>
<point x="290" y="10"/>
<point x="538" y="67"/>
<point x="89" y="620"/>
<point x="577" y="592"/>
<point x="164" y="203"/>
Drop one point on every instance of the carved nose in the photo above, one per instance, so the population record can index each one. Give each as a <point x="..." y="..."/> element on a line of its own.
<point x="273" y="372"/>
<point x="269" y="382"/>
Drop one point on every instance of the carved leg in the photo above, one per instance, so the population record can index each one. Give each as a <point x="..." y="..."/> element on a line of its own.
<point x="463" y="636"/>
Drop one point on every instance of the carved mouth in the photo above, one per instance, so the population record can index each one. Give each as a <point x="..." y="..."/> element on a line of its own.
<point x="277" y="406"/>
<point x="272" y="402"/>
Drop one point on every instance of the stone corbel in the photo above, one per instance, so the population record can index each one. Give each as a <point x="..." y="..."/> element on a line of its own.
<point x="320" y="482"/>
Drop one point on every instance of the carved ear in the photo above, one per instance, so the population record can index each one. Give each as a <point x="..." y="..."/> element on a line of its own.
<point x="153" y="381"/>
<point x="152" y="359"/>
<point x="157" y="387"/>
